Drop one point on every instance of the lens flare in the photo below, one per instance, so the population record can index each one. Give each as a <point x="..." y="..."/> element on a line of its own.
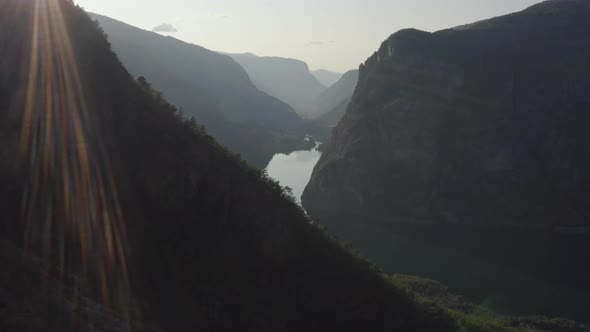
<point x="71" y="204"/>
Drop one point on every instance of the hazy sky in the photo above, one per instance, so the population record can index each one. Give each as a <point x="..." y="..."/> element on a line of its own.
<point x="327" y="34"/>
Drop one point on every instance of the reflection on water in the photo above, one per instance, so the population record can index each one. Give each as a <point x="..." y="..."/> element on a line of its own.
<point x="294" y="170"/>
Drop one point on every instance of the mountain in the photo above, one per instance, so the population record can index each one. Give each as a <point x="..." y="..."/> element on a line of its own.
<point x="286" y="79"/>
<point x="120" y="214"/>
<point x="337" y="95"/>
<point x="326" y="77"/>
<point x="463" y="158"/>
<point x="482" y="125"/>
<point x="333" y="116"/>
<point x="211" y="87"/>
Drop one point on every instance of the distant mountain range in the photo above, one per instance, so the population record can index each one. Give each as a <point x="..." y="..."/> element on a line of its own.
<point x="311" y="94"/>
<point x="326" y="77"/>
<point x="331" y="104"/>
<point x="286" y="79"/>
<point x="211" y="87"/>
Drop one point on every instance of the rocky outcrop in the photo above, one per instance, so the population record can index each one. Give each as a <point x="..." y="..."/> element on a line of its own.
<point x="488" y="124"/>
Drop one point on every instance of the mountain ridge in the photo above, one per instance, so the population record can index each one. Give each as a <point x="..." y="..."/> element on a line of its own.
<point x="437" y="102"/>
<point x="332" y="99"/>
<point x="326" y="77"/>
<point x="213" y="88"/>
<point x="289" y="80"/>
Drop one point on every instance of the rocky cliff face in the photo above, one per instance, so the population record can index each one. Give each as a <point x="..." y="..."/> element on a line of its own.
<point x="488" y="124"/>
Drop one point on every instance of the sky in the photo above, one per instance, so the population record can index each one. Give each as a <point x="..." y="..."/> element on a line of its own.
<point x="335" y="35"/>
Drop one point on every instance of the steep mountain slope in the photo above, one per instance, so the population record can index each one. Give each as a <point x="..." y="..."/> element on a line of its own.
<point x="211" y="87"/>
<point x="333" y="116"/>
<point x="129" y="205"/>
<point x="286" y="79"/>
<point x="483" y="125"/>
<point x="326" y="77"/>
<point x="336" y="95"/>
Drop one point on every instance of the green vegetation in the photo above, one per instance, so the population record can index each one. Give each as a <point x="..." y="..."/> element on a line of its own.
<point x="549" y="324"/>
<point x="510" y="271"/>
<point x="471" y="317"/>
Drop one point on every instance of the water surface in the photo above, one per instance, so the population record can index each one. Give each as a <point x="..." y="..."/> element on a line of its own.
<point x="294" y="170"/>
<point x="510" y="271"/>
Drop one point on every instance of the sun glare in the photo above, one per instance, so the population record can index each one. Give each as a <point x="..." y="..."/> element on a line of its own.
<point x="68" y="161"/>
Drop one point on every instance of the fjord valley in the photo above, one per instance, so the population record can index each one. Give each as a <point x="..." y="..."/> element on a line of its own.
<point x="326" y="77"/>
<point x="133" y="196"/>
<point x="289" y="80"/>
<point x="464" y="152"/>
<point x="331" y="105"/>
<point x="212" y="88"/>
<point x="118" y="213"/>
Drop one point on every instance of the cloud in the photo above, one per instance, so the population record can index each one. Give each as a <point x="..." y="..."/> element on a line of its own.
<point x="165" y="27"/>
<point x="320" y="42"/>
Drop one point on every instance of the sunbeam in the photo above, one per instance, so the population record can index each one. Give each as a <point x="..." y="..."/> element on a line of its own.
<point x="71" y="179"/>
